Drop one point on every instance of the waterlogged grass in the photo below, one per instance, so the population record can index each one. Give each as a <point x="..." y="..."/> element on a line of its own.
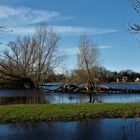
<point x="67" y="112"/>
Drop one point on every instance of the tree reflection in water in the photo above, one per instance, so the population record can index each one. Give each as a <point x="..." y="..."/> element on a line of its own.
<point x="23" y="100"/>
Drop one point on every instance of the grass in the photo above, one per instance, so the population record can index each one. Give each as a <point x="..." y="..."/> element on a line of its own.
<point x="67" y="112"/>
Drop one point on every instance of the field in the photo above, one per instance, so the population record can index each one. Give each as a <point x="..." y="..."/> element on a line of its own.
<point x="67" y="112"/>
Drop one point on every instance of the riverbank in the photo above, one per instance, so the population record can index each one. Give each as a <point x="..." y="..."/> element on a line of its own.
<point x="67" y="112"/>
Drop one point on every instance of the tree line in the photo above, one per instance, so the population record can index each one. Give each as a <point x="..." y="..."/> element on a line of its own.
<point x="31" y="60"/>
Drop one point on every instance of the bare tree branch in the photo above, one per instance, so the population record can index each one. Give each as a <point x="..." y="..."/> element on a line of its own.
<point x="88" y="58"/>
<point x="31" y="56"/>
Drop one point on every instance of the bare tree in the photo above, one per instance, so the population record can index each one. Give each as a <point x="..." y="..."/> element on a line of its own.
<point x="135" y="27"/>
<point x="31" y="57"/>
<point x="88" y="59"/>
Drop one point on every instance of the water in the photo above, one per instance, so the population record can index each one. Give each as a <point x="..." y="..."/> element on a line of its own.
<point x="8" y="97"/>
<point x="132" y="86"/>
<point x="99" y="129"/>
<point x="13" y="96"/>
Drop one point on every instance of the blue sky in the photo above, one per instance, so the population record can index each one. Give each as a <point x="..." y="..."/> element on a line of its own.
<point x="104" y="21"/>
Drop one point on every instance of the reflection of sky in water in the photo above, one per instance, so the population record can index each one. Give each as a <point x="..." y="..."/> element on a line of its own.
<point x="105" y="98"/>
<point x="98" y="129"/>
<point x="34" y="97"/>
<point x="14" y="96"/>
<point x="68" y="98"/>
<point x="123" y="86"/>
<point x="118" y="98"/>
<point x="110" y="85"/>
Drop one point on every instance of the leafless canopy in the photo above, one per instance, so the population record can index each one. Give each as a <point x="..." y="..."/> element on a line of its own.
<point x="31" y="56"/>
<point x="88" y="59"/>
<point x="135" y="27"/>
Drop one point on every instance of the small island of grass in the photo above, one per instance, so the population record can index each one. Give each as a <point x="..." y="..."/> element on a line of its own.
<point x="67" y="112"/>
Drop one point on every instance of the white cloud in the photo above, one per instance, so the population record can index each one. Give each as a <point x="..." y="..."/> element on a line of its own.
<point x="74" y="30"/>
<point x="70" y="51"/>
<point x="22" y="19"/>
<point x="14" y="16"/>
<point x="74" y="50"/>
<point x="104" y="47"/>
<point x="23" y="30"/>
<point x="67" y="30"/>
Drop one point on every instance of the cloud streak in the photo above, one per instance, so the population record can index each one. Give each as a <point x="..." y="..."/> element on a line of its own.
<point x="74" y="30"/>
<point x="75" y="50"/>
<point x="70" y="51"/>
<point x="67" y="30"/>
<point x="104" y="47"/>
<point x="23" y="21"/>
<point x="24" y="16"/>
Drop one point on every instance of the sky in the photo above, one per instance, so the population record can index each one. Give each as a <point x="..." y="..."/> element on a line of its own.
<point x="103" y="21"/>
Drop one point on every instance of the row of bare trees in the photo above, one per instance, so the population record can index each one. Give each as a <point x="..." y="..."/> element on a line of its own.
<point x="33" y="57"/>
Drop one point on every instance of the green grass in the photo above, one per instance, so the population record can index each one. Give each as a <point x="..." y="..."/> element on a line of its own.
<point x="66" y="112"/>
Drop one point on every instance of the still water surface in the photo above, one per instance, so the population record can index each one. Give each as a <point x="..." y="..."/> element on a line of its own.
<point x="133" y="86"/>
<point x="44" y="97"/>
<point x="99" y="129"/>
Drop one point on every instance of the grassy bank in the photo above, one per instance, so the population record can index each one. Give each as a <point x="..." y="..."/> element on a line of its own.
<point x="66" y="112"/>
